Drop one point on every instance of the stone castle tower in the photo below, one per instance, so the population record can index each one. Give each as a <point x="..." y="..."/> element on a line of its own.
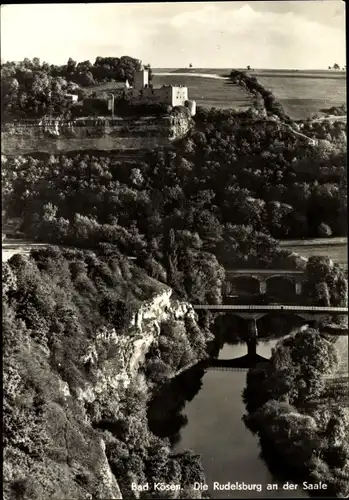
<point x="141" y="78"/>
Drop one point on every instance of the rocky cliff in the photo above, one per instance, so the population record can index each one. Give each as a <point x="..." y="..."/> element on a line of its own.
<point x="52" y="448"/>
<point x="129" y="351"/>
<point x="113" y="375"/>
<point x="103" y="134"/>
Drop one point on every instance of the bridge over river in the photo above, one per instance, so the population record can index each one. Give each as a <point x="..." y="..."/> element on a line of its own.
<point x="252" y="313"/>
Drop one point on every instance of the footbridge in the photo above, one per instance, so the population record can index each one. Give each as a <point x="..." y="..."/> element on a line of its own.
<point x="236" y="364"/>
<point x="262" y="280"/>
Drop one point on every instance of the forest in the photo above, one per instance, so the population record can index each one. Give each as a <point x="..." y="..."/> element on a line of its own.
<point x="31" y="89"/>
<point x="220" y="198"/>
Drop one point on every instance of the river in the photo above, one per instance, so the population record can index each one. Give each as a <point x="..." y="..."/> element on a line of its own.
<point x="209" y="422"/>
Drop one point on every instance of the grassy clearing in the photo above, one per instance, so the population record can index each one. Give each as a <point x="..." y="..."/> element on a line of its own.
<point x="105" y="87"/>
<point x="302" y="93"/>
<point x="213" y="71"/>
<point x="209" y="92"/>
<point x="340" y="240"/>
<point x="337" y="252"/>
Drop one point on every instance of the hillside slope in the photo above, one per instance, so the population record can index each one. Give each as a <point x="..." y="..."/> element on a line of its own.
<point x="77" y="327"/>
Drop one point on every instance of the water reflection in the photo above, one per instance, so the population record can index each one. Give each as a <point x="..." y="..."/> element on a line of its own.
<point x="202" y="410"/>
<point x="165" y="415"/>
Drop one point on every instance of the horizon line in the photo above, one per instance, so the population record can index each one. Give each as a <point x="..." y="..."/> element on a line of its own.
<point x="251" y="69"/>
<point x="341" y="70"/>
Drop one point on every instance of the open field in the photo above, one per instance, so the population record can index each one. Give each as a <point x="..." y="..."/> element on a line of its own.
<point x="322" y="73"/>
<point x="302" y="93"/>
<point x="335" y="248"/>
<point x="207" y="91"/>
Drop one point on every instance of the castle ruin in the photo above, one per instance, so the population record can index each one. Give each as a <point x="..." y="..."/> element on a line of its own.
<point x="143" y="90"/>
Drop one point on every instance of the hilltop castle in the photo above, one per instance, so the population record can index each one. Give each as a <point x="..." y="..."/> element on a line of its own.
<point x="143" y="89"/>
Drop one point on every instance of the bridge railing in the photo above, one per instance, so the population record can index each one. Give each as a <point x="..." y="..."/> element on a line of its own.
<point x="264" y="272"/>
<point x="254" y="307"/>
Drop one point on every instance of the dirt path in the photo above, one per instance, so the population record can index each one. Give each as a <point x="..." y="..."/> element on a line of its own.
<point x="202" y="75"/>
<point x="295" y="132"/>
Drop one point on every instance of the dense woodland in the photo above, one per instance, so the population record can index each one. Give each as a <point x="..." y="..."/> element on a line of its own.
<point x="31" y="89"/>
<point x="220" y="197"/>
<point x="309" y="439"/>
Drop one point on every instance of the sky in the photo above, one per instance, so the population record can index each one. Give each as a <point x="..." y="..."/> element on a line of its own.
<point x="281" y="34"/>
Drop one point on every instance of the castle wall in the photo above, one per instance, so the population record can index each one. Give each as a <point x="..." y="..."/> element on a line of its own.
<point x="172" y="95"/>
<point x="179" y="96"/>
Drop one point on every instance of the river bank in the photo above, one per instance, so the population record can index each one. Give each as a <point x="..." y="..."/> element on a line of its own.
<point x="202" y="410"/>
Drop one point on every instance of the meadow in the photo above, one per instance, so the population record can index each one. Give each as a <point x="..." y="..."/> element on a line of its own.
<point x="208" y="92"/>
<point x="305" y="93"/>
<point x="302" y="93"/>
<point x="338" y="252"/>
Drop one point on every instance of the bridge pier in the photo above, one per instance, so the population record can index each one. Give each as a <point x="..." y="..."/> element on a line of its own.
<point x="252" y="335"/>
<point x="252" y="328"/>
<point x="298" y="287"/>
<point x="251" y="347"/>
<point x="252" y="332"/>
<point x="262" y="287"/>
<point x="250" y="315"/>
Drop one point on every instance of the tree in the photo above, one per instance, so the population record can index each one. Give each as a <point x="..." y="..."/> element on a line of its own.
<point x="336" y="66"/>
<point x="174" y="275"/>
<point x="325" y="282"/>
<point x="71" y="65"/>
<point x="296" y="373"/>
<point x="190" y="65"/>
<point x="248" y="67"/>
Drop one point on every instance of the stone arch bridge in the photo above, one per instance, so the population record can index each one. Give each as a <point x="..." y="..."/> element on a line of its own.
<point x="263" y="280"/>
